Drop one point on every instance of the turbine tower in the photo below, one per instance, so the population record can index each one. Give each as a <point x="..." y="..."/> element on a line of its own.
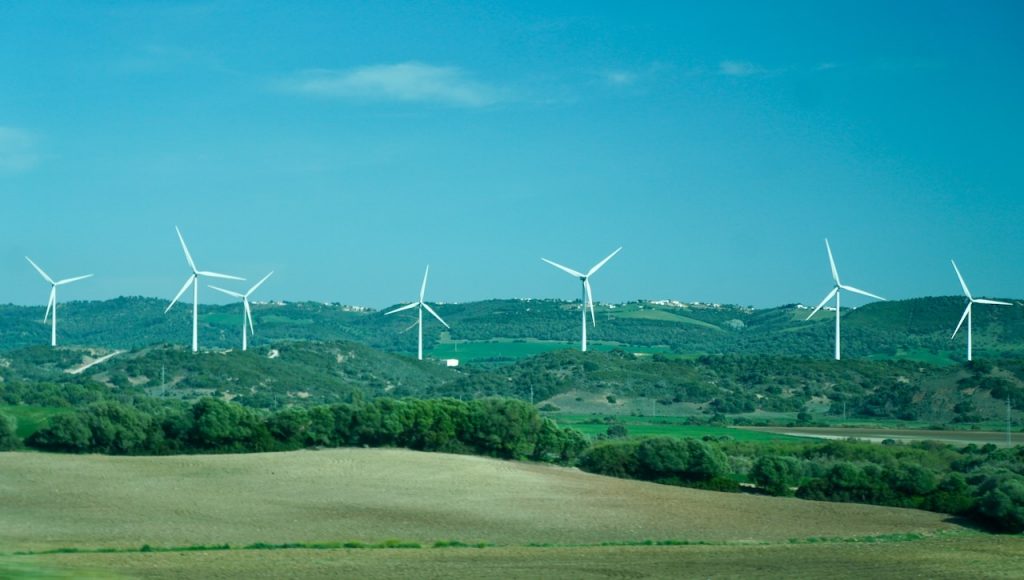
<point x="51" y="306"/>
<point x="971" y="301"/>
<point x="246" y="311"/>
<point x="588" y="296"/>
<point x="422" y="305"/>
<point x="835" y="292"/>
<point x="193" y="280"/>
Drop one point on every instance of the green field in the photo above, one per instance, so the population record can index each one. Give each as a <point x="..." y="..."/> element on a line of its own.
<point x="509" y="349"/>
<point x="667" y="426"/>
<point x="940" y="359"/>
<point x="30" y="418"/>
<point x="662" y="316"/>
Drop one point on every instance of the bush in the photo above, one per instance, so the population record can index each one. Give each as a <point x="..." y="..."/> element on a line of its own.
<point x="617" y="431"/>
<point x="64" y="433"/>
<point x="662" y="459"/>
<point x="1000" y="502"/>
<point x="8" y="433"/>
<point x="776" y="475"/>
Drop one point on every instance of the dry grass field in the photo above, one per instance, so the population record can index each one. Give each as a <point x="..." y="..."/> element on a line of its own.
<point x="52" y="502"/>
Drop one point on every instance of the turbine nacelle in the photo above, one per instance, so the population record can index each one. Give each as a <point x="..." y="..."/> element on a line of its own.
<point x="966" y="316"/>
<point x="51" y="304"/>
<point x="246" y="309"/>
<point x="835" y="292"/>
<point x="587" y="299"/>
<point x="193" y="280"/>
<point x="422" y="306"/>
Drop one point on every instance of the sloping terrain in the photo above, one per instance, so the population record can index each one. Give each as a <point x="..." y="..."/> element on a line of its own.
<point x="916" y="329"/>
<point x="58" y="501"/>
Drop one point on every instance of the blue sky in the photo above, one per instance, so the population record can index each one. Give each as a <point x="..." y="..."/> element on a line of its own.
<point x="347" y="145"/>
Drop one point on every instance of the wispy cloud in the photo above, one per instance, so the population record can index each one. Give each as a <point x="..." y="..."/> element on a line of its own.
<point x="736" y="68"/>
<point x="409" y="82"/>
<point x="17" y="150"/>
<point x="619" y="78"/>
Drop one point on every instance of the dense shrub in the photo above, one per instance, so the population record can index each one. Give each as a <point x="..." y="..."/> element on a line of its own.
<point x="663" y="459"/>
<point x="776" y="475"/>
<point x="1000" y="502"/>
<point x="505" y="428"/>
<point x="8" y="433"/>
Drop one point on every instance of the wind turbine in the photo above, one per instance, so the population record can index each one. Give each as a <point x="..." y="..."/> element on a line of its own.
<point x="422" y="305"/>
<point x="246" y="311"/>
<point x="971" y="301"/>
<point x="193" y="280"/>
<point x="588" y="296"/>
<point x="835" y="292"/>
<point x="51" y="306"/>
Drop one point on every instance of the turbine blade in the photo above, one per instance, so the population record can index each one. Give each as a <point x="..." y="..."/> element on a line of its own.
<point x="248" y="315"/>
<point x="564" y="269"/>
<point x="228" y="292"/>
<point x="51" y="302"/>
<point x="40" y="270"/>
<point x="216" y="275"/>
<point x="603" y="262"/>
<point x="188" y="256"/>
<point x="431" y="310"/>
<point x="859" y="291"/>
<point x="180" y="292"/>
<point x="70" y="280"/>
<point x="962" y="283"/>
<point x="590" y="302"/>
<point x="401" y="308"/>
<point x="832" y="262"/>
<point x="996" y="302"/>
<point x="258" y="284"/>
<point x="423" y="288"/>
<point x="962" y="319"/>
<point x="827" y="298"/>
<point x="410" y="327"/>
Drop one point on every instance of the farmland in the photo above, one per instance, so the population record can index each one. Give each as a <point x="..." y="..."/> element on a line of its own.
<point x="533" y="520"/>
<point x="509" y="350"/>
<point x="667" y="426"/>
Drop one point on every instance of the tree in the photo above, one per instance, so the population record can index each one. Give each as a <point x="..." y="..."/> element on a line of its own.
<point x="1000" y="502"/>
<point x="776" y="475"/>
<point x="64" y="433"/>
<point x="8" y="433"/>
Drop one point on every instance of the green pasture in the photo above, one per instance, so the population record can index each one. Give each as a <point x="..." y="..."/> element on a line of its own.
<point x="662" y="426"/>
<point x="31" y="418"/>
<point x="514" y="349"/>
<point x="662" y="316"/>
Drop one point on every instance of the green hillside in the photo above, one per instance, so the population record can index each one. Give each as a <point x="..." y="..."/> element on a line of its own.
<point x="305" y="373"/>
<point x="917" y="329"/>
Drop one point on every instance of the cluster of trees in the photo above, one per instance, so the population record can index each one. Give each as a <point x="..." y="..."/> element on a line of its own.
<point x="504" y="428"/>
<point x="983" y="483"/>
<point x="8" y="433"/>
<point x="689" y="462"/>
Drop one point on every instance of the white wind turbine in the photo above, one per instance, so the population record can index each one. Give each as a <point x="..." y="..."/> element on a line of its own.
<point x="588" y="296"/>
<point x="421" y="304"/>
<point x="193" y="279"/>
<point x="246" y="310"/>
<point x="971" y="301"/>
<point x="51" y="306"/>
<point x="835" y="292"/>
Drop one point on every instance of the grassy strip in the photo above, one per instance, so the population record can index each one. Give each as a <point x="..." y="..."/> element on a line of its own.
<point x="398" y="544"/>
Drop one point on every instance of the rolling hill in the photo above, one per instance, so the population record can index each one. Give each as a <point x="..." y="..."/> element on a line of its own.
<point x="309" y="513"/>
<point x="916" y="329"/>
